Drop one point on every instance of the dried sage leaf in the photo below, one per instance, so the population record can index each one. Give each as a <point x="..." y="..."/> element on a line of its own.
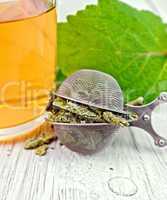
<point x="48" y="138"/>
<point x="78" y="109"/>
<point x="109" y="117"/>
<point x="66" y="111"/>
<point x="41" y="150"/>
<point x="62" y="116"/>
<point x="33" y="143"/>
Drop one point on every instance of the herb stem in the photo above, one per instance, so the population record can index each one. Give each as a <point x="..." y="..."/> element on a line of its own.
<point x="155" y="54"/>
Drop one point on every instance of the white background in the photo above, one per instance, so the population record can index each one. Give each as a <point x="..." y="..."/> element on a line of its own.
<point x="66" y="7"/>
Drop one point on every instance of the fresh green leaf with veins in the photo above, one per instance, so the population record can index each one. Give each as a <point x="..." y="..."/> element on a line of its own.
<point x="115" y="38"/>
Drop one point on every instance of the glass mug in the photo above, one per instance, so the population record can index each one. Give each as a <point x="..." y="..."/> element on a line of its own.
<point x="27" y="63"/>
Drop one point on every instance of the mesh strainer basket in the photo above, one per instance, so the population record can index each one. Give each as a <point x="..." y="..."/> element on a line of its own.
<point x="97" y="89"/>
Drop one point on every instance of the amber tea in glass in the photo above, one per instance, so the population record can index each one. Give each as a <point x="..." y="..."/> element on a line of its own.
<point x="27" y="62"/>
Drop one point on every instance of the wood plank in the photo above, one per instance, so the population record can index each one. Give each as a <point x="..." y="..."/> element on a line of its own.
<point x="129" y="166"/>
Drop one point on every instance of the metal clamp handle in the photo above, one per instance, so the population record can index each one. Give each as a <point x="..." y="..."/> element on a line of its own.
<point x="144" y="120"/>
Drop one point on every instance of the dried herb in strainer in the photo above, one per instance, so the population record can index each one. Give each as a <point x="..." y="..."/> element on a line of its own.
<point x="66" y="111"/>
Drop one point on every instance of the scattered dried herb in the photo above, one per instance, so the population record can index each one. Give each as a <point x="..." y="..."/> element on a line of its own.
<point x="36" y="142"/>
<point x="33" y="143"/>
<point x="41" y="143"/>
<point x="48" y="138"/>
<point x="41" y="150"/>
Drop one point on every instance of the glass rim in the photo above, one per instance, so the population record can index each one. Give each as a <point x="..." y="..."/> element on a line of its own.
<point x="28" y="17"/>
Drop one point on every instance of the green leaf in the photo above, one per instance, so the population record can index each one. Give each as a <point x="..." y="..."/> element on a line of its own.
<point x="115" y="38"/>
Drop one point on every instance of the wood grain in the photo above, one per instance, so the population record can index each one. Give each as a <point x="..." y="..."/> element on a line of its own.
<point x="129" y="167"/>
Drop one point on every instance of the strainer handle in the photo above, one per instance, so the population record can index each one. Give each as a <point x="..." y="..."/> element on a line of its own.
<point x="144" y="121"/>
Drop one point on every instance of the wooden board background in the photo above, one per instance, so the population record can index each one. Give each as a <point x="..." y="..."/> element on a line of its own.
<point x="130" y="167"/>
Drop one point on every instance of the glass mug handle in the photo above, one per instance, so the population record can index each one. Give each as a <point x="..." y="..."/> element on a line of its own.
<point x="144" y="121"/>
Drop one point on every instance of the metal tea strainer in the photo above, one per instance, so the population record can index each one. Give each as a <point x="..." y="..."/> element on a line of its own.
<point x="100" y="90"/>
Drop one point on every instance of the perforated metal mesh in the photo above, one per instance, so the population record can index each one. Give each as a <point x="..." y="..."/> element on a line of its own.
<point x="84" y="138"/>
<point x="100" y="90"/>
<point x="93" y="88"/>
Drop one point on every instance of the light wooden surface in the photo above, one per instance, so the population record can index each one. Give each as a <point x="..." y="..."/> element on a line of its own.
<point x="130" y="167"/>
